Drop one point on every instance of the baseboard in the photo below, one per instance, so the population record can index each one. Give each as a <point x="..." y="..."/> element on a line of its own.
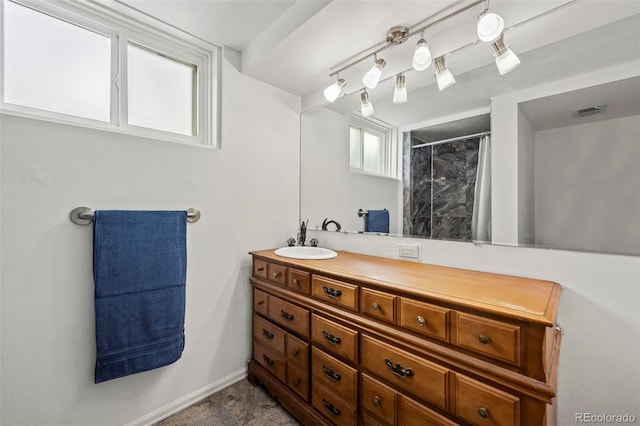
<point x="190" y="399"/>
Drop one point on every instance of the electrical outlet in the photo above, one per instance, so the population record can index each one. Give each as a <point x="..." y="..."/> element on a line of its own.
<point x="411" y="251"/>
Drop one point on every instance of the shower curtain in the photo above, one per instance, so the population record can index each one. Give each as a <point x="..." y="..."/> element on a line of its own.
<point x="481" y="219"/>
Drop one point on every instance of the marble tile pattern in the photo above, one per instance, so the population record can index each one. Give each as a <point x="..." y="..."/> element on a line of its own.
<point x="240" y="404"/>
<point x="441" y="189"/>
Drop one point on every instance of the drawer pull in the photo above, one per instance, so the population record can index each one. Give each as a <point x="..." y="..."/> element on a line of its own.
<point x="332" y="292"/>
<point x="276" y="274"/>
<point x="376" y="401"/>
<point x="484" y="339"/>
<point x="297" y="382"/>
<point x="268" y="360"/>
<point x="286" y="315"/>
<point x="295" y="353"/>
<point x="266" y="334"/>
<point x="421" y="321"/>
<point x="260" y="269"/>
<point x="331" y="339"/>
<point x="334" y="411"/>
<point x="296" y="281"/>
<point x="483" y="412"/>
<point x="398" y="370"/>
<point x="261" y="302"/>
<point x="333" y="376"/>
<point x="375" y="307"/>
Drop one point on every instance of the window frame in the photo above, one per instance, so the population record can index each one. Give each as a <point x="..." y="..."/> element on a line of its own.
<point x="125" y="25"/>
<point x="389" y="147"/>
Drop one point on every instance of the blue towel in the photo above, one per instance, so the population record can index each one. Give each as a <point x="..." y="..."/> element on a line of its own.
<point x="139" y="270"/>
<point x="377" y="221"/>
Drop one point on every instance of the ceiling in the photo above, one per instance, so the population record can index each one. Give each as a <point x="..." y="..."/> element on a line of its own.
<point x="296" y="44"/>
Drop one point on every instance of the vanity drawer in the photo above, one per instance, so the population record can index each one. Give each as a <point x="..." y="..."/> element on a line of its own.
<point x="270" y="359"/>
<point x="334" y="338"/>
<point x="377" y="304"/>
<point x="259" y="268"/>
<point x="412" y="413"/>
<point x="298" y="381"/>
<point x="334" y="408"/>
<point x="496" y="339"/>
<point x="407" y="371"/>
<point x="424" y="318"/>
<point x="335" y="292"/>
<point x="379" y="400"/>
<point x="277" y="273"/>
<point x="300" y="281"/>
<point x="268" y="334"/>
<point x="297" y="352"/>
<point x="260" y="301"/>
<point x="289" y="316"/>
<point x="334" y="375"/>
<point x="481" y="404"/>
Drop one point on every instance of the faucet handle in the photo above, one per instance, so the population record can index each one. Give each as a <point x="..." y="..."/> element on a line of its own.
<point x="291" y="242"/>
<point x="314" y="242"/>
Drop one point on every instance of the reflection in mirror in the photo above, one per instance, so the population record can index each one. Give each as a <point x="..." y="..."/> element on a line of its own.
<point x="567" y="184"/>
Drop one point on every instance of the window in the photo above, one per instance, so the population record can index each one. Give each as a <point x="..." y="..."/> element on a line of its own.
<point x="373" y="147"/>
<point x="88" y="65"/>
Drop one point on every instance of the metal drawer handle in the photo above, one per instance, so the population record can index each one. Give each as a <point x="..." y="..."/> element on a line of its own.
<point x="484" y="339"/>
<point x="295" y="353"/>
<point x="375" y="307"/>
<point x="330" y="408"/>
<point x="286" y="315"/>
<point x="332" y="292"/>
<point x="331" y="339"/>
<point x="260" y="269"/>
<point x="260" y="302"/>
<point x="268" y="360"/>
<point x="266" y="334"/>
<point x="483" y="412"/>
<point x="421" y="321"/>
<point x="398" y="370"/>
<point x="376" y="401"/>
<point x="276" y="274"/>
<point x="296" y="281"/>
<point x="296" y="382"/>
<point x="333" y="376"/>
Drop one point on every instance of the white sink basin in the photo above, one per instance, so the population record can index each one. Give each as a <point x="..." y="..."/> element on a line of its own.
<point x="298" y="252"/>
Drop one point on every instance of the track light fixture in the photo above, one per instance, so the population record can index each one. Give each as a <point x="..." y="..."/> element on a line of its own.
<point x="506" y="60"/>
<point x="372" y="77"/>
<point x="332" y="92"/>
<point x="421" y="56"/>
<point x="489" y="27"/>
<point x="366" y="108"/>
<point x="400" y="91"/>
<point x="443" y="75"/>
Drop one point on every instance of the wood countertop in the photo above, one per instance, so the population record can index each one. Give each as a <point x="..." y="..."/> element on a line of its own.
<point x="523" y="299"/>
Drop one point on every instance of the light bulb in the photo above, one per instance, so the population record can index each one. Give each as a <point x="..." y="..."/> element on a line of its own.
<point x="372" y="77"/>
<point x="489" y="26"/>
<point x="332" y="92"/>
<point x="506" y="60"/>
<point x="443" y="75"/>
<point x="421" y="56"/>
<point x="400" y="91"/>
<point x="366" y="108"/>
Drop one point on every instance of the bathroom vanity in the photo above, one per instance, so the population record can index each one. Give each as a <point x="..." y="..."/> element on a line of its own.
<point x="365" y="340"/>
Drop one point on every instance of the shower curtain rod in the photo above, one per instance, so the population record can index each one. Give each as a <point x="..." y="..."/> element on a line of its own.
<point x="458" y="138"/>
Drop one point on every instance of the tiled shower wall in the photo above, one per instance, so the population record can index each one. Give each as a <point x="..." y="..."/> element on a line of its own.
<point x="439" y="187"/>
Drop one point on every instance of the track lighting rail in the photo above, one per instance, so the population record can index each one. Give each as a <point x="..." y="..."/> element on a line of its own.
<point x="409" y="35"/>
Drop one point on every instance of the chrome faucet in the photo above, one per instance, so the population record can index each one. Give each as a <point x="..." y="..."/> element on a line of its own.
<point x="327" y="222"/>
<point x="302" y="233"/>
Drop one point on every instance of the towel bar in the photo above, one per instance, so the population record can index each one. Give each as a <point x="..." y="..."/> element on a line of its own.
<point x="84" y="215"/>
<point x="362" y="212"/>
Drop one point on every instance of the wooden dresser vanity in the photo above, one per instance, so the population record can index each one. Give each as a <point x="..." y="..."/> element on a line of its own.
<point x="364" y="340"/>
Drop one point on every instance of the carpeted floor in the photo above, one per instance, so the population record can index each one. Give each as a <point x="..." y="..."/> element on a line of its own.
<point x="240" y="404"/>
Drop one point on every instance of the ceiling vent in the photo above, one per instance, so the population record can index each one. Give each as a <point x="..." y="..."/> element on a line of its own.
<point x="589" y="111"/>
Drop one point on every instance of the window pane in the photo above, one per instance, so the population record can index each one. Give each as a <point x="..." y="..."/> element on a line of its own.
<point x="56" y="66"/>
<point x="355" y="146"/>
<point x="161" y="92"/>
<point x="372" y="145"/>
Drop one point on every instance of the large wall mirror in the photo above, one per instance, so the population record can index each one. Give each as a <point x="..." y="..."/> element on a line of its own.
<point x="547" y="155"/>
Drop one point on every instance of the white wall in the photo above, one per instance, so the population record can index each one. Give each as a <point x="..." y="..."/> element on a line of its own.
<point x="526" y="179"/>
<point x="598" y="311"/>
<point x="587" y="186"/>
<point x="338" y="193"/>
<point x="248" y="200"/>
